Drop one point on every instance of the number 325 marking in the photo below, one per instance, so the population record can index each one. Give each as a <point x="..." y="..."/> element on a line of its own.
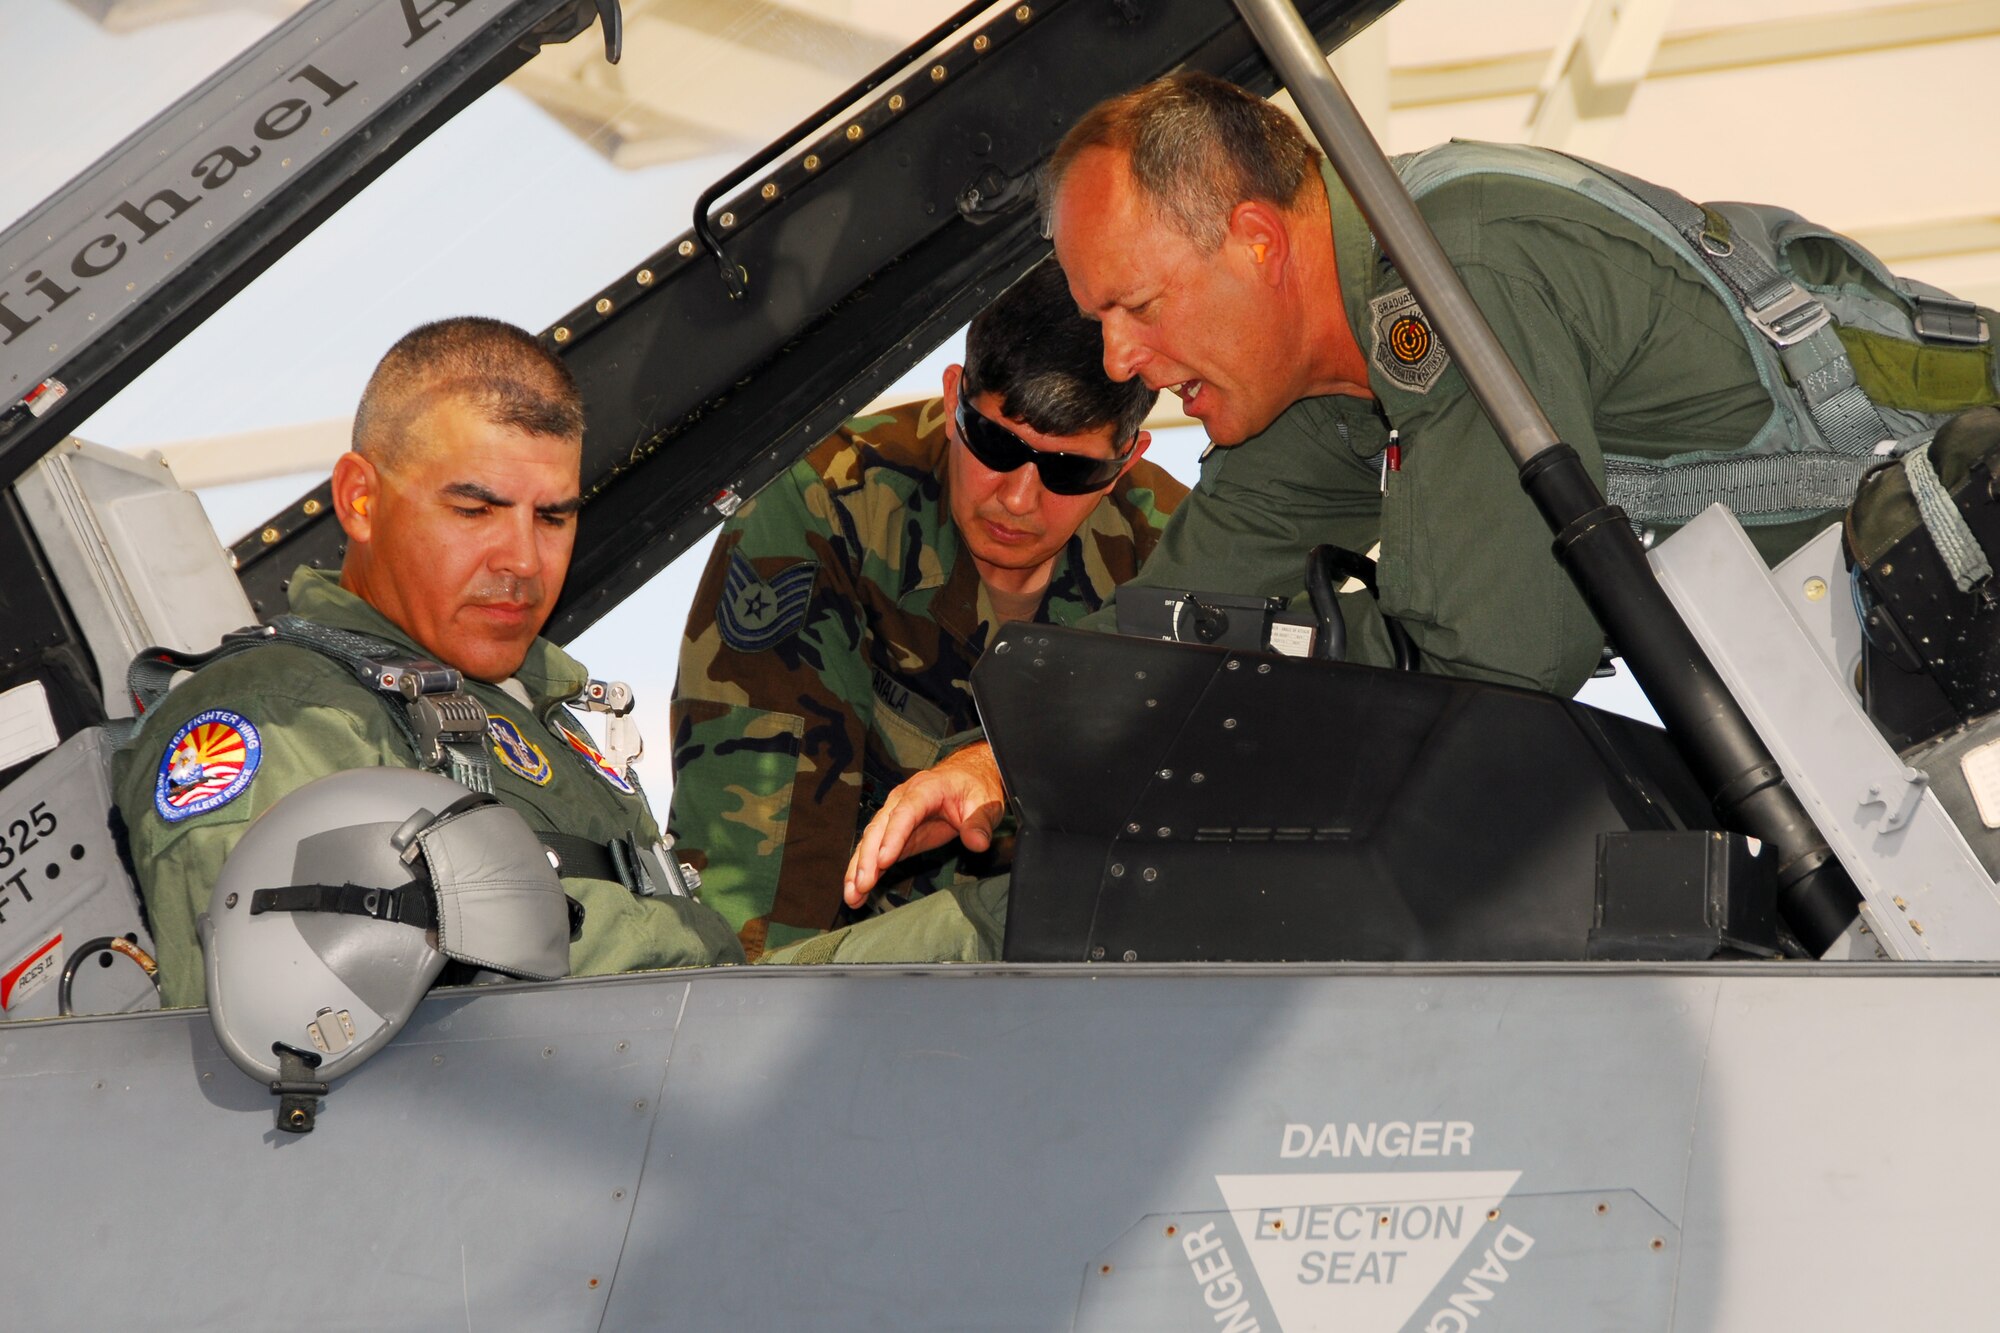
<point x="22" y="834"/>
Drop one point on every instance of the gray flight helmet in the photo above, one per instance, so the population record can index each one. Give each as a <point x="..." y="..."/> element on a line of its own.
<point x="340" y="904"/>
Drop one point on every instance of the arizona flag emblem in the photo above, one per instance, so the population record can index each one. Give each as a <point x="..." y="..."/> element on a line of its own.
<point x="596" y="760"/>
<point x="207" y="765"/>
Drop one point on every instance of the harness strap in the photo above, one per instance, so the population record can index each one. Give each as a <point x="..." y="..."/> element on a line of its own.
<point x="1962" y="553"/>
<point x="646" y="871"/>
<point x="580" y="857"/>
<point x="1945" y="319"/>
<point x="444" y="725"/>
<point x="151" y="674"/>
<point x="1817" y="403"/>
<point x="1797" y="325"/>
<point x="410" y="904"/>
<point x="1757" y="488"/>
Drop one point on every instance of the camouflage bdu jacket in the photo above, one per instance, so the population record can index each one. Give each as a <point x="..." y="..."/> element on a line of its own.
<point x="226" y="743"/>
<point x="826" y="660"/>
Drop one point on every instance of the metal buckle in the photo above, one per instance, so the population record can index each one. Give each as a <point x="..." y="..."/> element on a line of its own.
<point x="409" y="676"/>
<point x="445" y="719"/>
<point x="682" y="879"/>
<point x="1942" y="320"/>
<point x="606" y="696"/>
<point x="1792" y="318"/>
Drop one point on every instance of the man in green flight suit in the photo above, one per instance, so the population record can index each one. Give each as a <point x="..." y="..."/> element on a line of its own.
<point x="1225" y="260"/>
<point x="459" y="503"/>
<point x="842" y="610"/>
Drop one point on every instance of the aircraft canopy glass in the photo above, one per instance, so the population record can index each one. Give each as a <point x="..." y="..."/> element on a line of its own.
<point x="520" y="206"/>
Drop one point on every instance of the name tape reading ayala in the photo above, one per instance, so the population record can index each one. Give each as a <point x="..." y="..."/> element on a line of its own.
<point x="1359" y="1251"/>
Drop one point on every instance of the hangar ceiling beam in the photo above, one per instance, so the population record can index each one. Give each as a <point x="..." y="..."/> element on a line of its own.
<point x="1590" y="78"/>
<point x="1707" y="50"/>
<point x="1934" y="238"/>
<point x="276" y="451"/>
<point x="761" y="54"/>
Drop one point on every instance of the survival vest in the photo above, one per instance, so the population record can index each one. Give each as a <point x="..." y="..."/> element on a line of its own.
<point x="444" y="725"/>
<point x="1857" y="373"/>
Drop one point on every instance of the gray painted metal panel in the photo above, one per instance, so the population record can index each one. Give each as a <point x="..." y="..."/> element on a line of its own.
<point x="968" y="1167"/>
<point x="482" y="1176"/>
<point x="1848" y="1159"/>
<point x="63" y="886"/>
<point x="138" y="564"/>
<point x="1601" y="1148"/>
<point x="1927" y="894"/>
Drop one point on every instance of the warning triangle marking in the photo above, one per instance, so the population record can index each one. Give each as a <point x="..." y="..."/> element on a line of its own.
<point x="1358" y="1252"/>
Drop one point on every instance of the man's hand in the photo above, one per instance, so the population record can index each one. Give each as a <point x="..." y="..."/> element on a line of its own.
<point x="960" y="797"/>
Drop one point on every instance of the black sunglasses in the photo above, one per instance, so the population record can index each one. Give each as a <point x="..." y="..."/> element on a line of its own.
<point x="1002" y="450"/>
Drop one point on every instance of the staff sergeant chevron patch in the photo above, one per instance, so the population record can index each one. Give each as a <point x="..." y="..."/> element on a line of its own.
<point x="757" y="613"/>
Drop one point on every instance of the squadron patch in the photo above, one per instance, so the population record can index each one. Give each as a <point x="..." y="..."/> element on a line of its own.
<point x="757" y="613"/>
<point x="519" y="755"/>
<point x="596" y="760"/>
<point x="207" y="765"/>
<point x="1407" y="351"/>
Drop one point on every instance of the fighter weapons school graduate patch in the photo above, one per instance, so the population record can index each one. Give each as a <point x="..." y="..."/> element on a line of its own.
<point x="207" y="764"/>
<point x="1407" y="351"/>
<point x="757" y="613"/>
<point x="519" y="755"/>
<point x="595" y="758"/>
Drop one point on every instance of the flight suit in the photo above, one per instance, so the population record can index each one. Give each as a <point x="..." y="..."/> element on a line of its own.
<point x="826" y="660"/>
<point x="1626" y="346"/>
<point x="236" y="736"/>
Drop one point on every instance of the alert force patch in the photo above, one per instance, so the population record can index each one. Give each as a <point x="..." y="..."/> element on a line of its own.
<point x="208" y="764"/>
<point x="519" y="755"/>
<point x="1407" y="351"/>
<point x="596" y="760"/>
<point x="757" y="613"/>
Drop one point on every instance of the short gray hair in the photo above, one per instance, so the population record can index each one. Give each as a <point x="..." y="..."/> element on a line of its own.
<point x="501" y="370"/>
<point x="1197" y="146"/>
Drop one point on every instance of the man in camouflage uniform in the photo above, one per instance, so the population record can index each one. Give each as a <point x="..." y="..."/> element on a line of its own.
<point x="827" y="653"/>
<point x="459" y="505"/>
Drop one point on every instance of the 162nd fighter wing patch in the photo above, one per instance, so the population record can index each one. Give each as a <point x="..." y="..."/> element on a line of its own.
<point x="758" y="613"/>
<point x="207" y="764"/>
<point x="1407" y="350"/>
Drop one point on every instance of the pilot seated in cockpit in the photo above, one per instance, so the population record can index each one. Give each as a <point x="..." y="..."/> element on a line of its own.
<point x="459" y="503"/>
